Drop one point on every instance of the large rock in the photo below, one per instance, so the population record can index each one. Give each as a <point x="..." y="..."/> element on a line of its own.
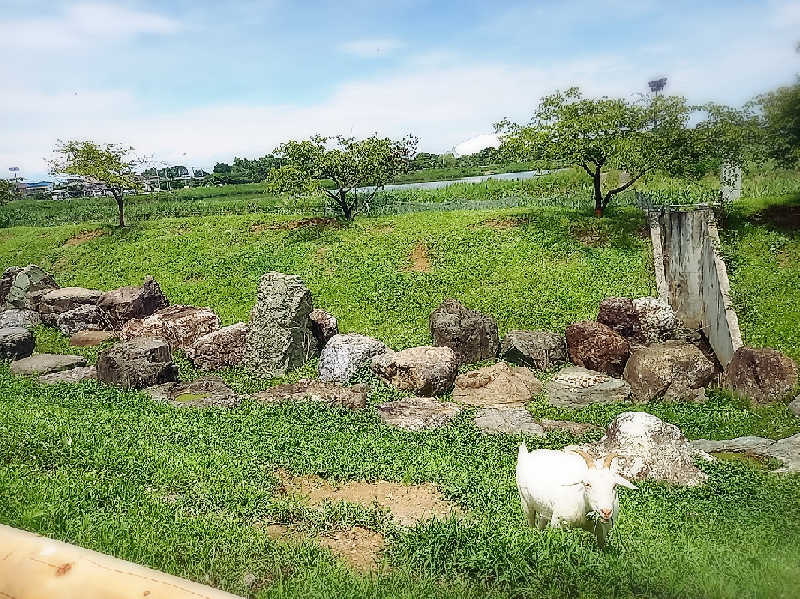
<point x="27" y="319"/>
<point x="497" y="386"/>
<point x="16" y="343"/>
<point x="59" y="301"/>
<point x="6" y="280"/>
<point x="73" y="375"/>
<point x="324" y="326"/>
<point x="136" y="364"/>
<point x="794" y="406"/>
<point x="201" y="393"/>
<point x="576" y="387"/>
<point x="508" y="421"/>
<point x="763" y="375"/>
<point x="132" y="302"/>
<point x="353" y="397"/>
<point x="619" y="313"/>
<point x="648" y="449"/>
<point x="181" y="326"/>
<point x="471" y="335"/>
<point x="421" y="370"/>
<point x="786" y="451"/>
<point x="92" y="338"/>
<point x="539" y="350"/>
<point x="39" y="364"/>
<point x="344" y="355"/>
<point x="221" y="348"/>
<point x="86" y="317"/>
<point x="27" y="286"/>
<point x="279" y="337"/>
<point x="657" y="320"/>
<point x="418" y="413"/>
<point x="673" y="370"/>
<point x="597" y="347"/>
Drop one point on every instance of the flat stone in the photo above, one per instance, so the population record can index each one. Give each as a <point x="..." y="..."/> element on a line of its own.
<point x="92" y="338"/>
<point x="180" y="326"/>
<point x="16" y="343"/>
<point x="497" y="386"/>
<point x="539" y="350"/>
<point x="424" y="370"/>
<point x="27" y="319"/>
<point x="353" y="397"/>
<point x="39" y="364"/>
<point x="73" y="375"/>
<point x="418" y="413"/>
<point x="786" y="451"/>
<point x="202" y="393"/>
<point x="62" y="300"/>
<point x="509" y="421"/>
<point x="576" y="387"/>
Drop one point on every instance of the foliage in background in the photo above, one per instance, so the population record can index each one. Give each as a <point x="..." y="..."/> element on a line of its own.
<point x="8" y="191"/>
<point x="780" y="111"/>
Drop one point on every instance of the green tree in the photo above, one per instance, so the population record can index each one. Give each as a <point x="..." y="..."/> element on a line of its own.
<point x="8" y="191"/>
<point x="222" y="168"/>
<point x="351" y="164"/>
<point x="780" y="117"/>
<point x="599" y="135"/>
<point x="110" y="164"/>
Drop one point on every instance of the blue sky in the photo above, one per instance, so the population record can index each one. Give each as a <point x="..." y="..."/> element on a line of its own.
<point x="193" y="82"/>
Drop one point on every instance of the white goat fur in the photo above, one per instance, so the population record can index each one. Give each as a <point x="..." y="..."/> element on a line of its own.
<point x="559" y="488"/>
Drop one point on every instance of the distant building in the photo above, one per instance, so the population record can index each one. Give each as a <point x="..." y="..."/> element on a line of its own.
<point x="29" y="188"/>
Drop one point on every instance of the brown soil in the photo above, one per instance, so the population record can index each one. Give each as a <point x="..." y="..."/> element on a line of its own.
<point x="589" y="235"/>
<point x="408" y="504"/>
<point x="420" y="262"/>
<point x="291" y="225"/>
<point x="84" y="237"/>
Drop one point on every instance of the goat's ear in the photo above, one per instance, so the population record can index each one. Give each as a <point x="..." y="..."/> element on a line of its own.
<point x="624" y="482"/>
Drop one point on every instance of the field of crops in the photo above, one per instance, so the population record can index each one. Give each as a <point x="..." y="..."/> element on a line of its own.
<point x="197" y="493"/>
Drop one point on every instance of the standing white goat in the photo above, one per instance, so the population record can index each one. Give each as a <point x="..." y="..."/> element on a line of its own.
<point x="559" y="488"/>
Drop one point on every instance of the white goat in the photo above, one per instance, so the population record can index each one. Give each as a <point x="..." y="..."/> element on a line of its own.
<point x="559" y="488"/>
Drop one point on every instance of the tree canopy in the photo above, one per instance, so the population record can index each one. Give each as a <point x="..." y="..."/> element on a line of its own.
<point x="349" y="163"/>
<point x="780" y="119"/>
<point x="111" y="164"/>
<point x="8" y="191"/>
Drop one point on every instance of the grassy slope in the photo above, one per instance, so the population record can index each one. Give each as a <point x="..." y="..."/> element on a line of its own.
<point x="529" y="272"/>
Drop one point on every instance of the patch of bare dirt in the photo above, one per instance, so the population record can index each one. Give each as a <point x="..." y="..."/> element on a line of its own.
<point x="420" y="261"/>
<point x="589" y="235"/>
<point x="84" y="237"/>
<point x="292" y="225"/>
<point x="408" y="504"/>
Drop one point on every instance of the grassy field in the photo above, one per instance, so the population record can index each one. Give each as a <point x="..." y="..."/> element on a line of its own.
<point x="189" y="491"/>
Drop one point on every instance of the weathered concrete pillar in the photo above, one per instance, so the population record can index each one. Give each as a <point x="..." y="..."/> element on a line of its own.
<point x="730" y="182"/>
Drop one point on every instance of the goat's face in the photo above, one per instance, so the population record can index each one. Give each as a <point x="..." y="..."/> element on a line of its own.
<point x="600" y="488"/>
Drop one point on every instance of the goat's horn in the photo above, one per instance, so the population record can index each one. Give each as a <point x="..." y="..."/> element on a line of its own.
<point x="608" y="459"/>
<point x="586" y="457"/>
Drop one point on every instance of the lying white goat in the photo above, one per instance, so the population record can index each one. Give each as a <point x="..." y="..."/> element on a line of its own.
<point x="560" y="488"/>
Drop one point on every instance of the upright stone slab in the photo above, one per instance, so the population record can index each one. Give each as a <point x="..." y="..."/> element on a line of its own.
<point x="730" y="182"/>
<point x="279" y="336"/>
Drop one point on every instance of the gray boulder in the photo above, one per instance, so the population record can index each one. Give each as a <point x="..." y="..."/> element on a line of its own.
<point x="26" y="319"/>
<point x="27" y="286"/>
<point x="136" y="364"/>
<point x="761" y="374"/>
<point x="180" y="326"/>
<point x="497" y="386"/>
<point x="58" y="301"/>
<point x="597" y="347"/>
<point x="794" y="406"/>
<point x="221" y="348"/>
<point x="279" y="336"/>
<point x="786" y="451"/>
<point x="345" y="354"/>
<point x="201" y="393"/>
<point x="73" y="375"/>
<point x="132" y="302"/>
<point x="86" y="317"/>
<point x="16" y="343"/>
<point x="657" y="320"/>
<point x="418" y="413"/>
<point x="471" y="335"/>
<point x="421" y="370"/>
<point x="39" y="364"/>
<point x="648" y="449"/>
<point x="576" y="387"/>
<point x="673" y="370"/>
<point x="324" y="326"/>
<point x="6" y="280"/>
<point x="508" y="421"/>
<point x="539" y="350"/>
<point x="353" y="397"/>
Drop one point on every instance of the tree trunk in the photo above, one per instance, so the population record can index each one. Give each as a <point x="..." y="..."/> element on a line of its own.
<point x="120" y="207"/>
<point x="347" y="211"/>
<point x="598" y="194"/>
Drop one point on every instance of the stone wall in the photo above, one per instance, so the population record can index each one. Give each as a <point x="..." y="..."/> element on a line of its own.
<point x="691" y="275"/>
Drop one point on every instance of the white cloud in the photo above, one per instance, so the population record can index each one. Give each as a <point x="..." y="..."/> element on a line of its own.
<point x="371" y="48"/>
<point x="83" y="24"/>
<point x="475" y="144"/>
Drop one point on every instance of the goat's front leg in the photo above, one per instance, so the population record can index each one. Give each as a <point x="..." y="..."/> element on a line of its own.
<point x="555" y="521"/>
